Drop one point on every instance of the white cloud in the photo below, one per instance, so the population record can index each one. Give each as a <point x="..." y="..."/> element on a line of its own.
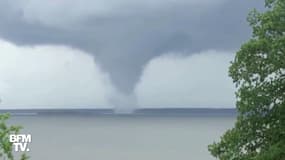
<point x="62" y="13"/>
<point x="50" y="76"/>
<point x="198" y="80"/>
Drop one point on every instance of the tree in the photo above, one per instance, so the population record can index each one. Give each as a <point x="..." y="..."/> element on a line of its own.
<point x="6" y="147"/>
<point x="258" y="71"/>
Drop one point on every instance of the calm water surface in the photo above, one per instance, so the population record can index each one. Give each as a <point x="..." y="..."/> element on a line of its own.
<point x="122" y="138"/>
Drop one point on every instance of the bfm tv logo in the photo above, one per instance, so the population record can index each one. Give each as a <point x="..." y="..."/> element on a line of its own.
<point x="20" y="141"/>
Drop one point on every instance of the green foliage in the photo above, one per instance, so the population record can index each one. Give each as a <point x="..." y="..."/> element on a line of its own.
<point x="258" y="71"/>
<point x="6" y="148"/>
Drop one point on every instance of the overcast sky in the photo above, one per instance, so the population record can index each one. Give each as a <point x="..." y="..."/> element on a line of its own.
<point x="120" y="53"/>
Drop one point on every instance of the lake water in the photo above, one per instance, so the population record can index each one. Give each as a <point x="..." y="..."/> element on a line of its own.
<point x="122" y="137"/>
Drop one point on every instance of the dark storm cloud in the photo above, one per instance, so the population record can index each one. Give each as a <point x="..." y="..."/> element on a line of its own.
<point x="122" y="43"/>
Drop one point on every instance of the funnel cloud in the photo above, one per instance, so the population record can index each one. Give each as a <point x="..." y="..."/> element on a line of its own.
<point x="124" y="36"/>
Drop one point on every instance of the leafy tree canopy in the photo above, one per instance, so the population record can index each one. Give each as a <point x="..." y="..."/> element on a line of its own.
<point x="258" y="71"/>
<point x="6" y="147"/>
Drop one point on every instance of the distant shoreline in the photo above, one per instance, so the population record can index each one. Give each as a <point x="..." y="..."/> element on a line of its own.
<point x="112" y="112"/>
